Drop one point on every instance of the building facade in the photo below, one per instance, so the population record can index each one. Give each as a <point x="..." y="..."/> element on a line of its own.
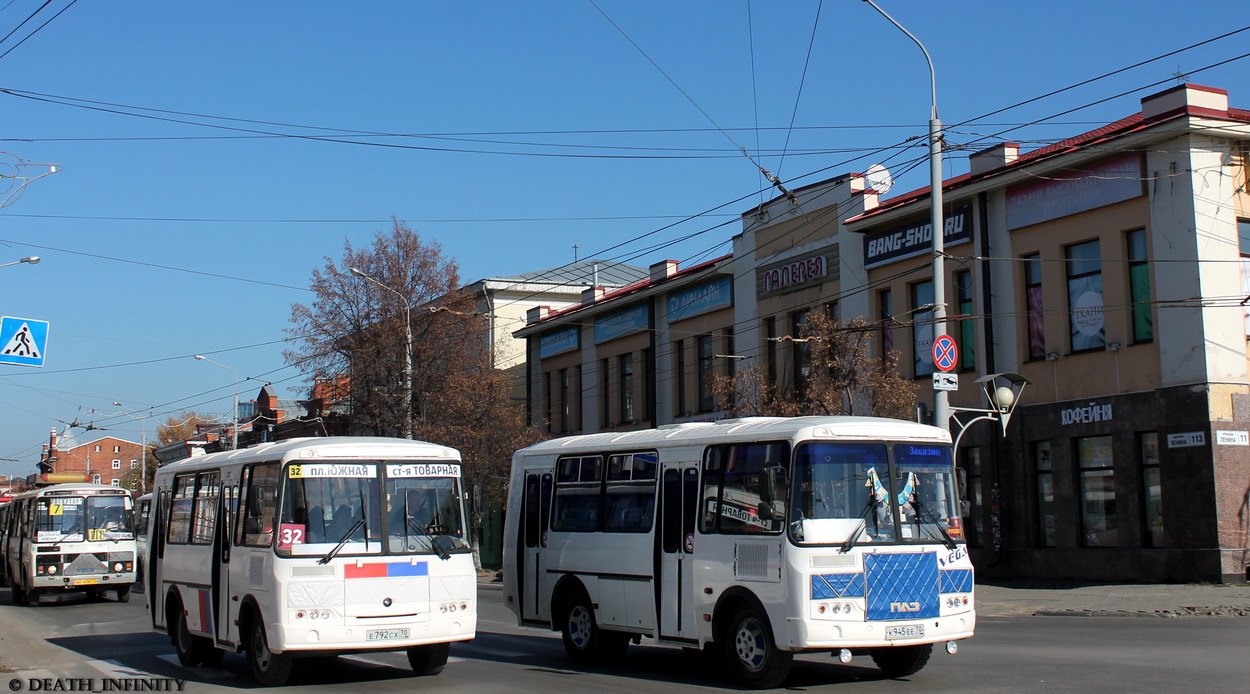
<point x="1108" y="271"/>
<point x="106" y="460"/>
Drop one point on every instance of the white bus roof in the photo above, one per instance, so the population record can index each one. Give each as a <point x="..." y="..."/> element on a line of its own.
<point x="330" y="448"/>
<point x="749" y="429"/>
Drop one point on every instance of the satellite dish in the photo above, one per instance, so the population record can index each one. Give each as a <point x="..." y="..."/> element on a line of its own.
<point x="879" y="179"/>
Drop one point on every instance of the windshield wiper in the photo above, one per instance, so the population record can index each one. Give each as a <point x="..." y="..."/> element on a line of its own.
<point x="859" y="529"/>
<point x="342" y="541"/>
<point x="921" y="509"/>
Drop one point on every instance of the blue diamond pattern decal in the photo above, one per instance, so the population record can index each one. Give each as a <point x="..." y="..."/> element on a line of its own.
<point x="837" y="586"/>
<point x="902" y="586"/>
<point x="957" y="581"/>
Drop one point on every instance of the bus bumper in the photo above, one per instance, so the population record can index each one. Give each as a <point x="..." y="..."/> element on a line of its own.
<point x="111" y="581"/>
<point x="819" y="635"/>
<point x="343" y="639"/>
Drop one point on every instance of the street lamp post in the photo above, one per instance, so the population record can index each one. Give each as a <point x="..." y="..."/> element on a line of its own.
<point x="31" y="259"/>
<point x="941" y="402"/>
<point x="234" y="429"/>
<point x="143" y="444"/>
<point x="407" y="348"/>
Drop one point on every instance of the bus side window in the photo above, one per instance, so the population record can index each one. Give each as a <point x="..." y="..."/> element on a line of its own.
<point x="260" y="505"/>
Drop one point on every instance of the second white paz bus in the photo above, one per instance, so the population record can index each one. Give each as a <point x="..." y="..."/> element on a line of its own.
<point x="69" y="537"/>
<point x="312" y="547"/>
<point x="759" y="537"/>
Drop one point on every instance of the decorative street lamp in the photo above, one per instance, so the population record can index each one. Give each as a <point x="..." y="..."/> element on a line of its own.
<point x="1002" y="393"/>
<point x="407" y="347"/>
<point x="234" y="430"/>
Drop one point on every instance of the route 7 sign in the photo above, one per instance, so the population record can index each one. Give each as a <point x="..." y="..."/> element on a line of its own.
<point x="23" y="341"/>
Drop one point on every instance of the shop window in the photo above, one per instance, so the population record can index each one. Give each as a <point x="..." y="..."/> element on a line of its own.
<point x="770" y="329"/>
<point x="1033" y="306"/>
<point x="801" y="352"/>
<point x="1139" y="286"/>
<point x="1099" y="524"/>
<point x="626" y="375"/>
<point x="1086" y="325"/>
<point x="680" y="348"/>
<point x="922" y="328"/>
<point x="605" y="419"/>
<point x="971" y="463"/>
<point x="1152" y="489"/>
<point x="967" y="323"/>
<point x="885" y="312"/>
<point x="564" y="401"/>
<point x="547" y="400"/>
<point x="1044" y="474"/>
<point x="705" y="372"/>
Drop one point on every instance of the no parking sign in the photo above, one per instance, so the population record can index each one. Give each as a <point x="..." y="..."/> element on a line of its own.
<point x="945" y="353"/>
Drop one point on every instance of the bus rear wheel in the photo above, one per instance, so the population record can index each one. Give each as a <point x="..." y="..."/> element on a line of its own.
<point x="583" y="640"/>
<point x="428" y="660"/>
<point x="901" y="661"/>
<point x="191" y="649"/>
<point x="752" y="655"/>
<point x="270" y="669"/>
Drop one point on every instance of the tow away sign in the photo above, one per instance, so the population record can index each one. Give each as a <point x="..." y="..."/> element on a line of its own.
<point x="23" y="341"/>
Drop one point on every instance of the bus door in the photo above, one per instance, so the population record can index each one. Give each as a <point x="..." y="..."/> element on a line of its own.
<point x="536" y="521"/>
<point x="679" y="499"/>
<point x="223" y="615"/>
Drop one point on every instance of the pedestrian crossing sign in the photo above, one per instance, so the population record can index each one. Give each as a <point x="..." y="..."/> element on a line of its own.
<point x="23" y="341"/>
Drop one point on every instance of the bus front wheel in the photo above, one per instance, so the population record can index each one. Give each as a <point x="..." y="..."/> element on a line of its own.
<point x="584" y="641"/>
<point x="751" y="653"/>
<point x="428" y="660"/>
<point x="270" y="669"/>
<point x="901" y="661"/>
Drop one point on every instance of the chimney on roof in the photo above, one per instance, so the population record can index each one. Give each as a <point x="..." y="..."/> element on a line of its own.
<point x="663" y="270"/>
<point x="1181" y="98"/>
<point x="592" y="294"/>
<point x="536" y="314"/>
<point x="995" y="157"/>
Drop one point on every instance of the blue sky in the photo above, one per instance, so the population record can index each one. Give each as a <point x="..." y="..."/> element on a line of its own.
<point x="530" y="127"/>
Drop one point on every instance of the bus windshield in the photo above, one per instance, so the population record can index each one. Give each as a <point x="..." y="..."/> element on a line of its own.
<point x="357" y="505"/>
<point x="79" y="519"/>
<point x="853" y="492"/>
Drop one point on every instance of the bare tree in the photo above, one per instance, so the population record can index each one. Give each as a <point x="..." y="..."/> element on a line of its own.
<point x="841" y="377"/>
<point x="355" y="327"/>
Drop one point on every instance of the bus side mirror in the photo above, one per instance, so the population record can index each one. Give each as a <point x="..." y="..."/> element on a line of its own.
<point x="965" y="509"/>
<point x="961" y="482"/>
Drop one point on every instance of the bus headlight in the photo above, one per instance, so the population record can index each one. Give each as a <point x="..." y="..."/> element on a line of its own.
<point x="52" y="570"/>
<point x="117" y="568"/>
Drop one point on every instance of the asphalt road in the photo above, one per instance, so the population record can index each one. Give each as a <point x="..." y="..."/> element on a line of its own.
<point x="92" y="641"/>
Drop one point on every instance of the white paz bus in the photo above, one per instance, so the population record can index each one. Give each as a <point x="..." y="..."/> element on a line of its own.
<point x="69" y="537"/>
<point x="759" y="537"/>
<point x="312" y="547"/>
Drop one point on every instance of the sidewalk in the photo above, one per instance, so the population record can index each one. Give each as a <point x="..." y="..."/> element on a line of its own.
<point x="1053" y="599"/>
<point x="1115" y="600"/>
